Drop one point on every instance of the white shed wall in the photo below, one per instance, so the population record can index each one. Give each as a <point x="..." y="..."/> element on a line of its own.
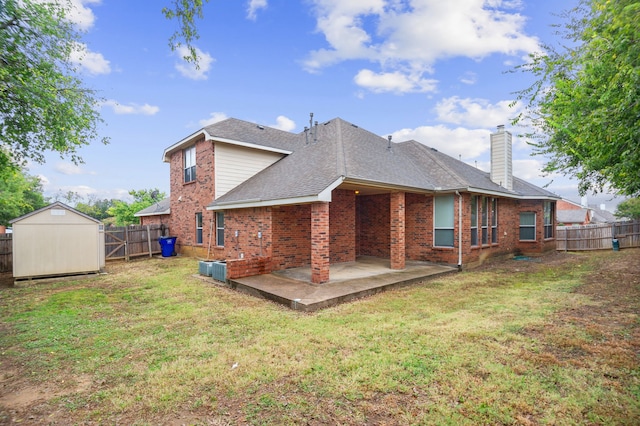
<point x="55" y="242"/>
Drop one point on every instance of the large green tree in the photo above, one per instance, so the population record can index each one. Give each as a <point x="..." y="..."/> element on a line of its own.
<point x="20" y="194"/>
<point x="585" y="103"/>
<point x="629" y="209"/>
<point x="43" y="104"/>
<point x="123" y="212"/>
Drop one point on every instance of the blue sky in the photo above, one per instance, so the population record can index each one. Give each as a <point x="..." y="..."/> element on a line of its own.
<point x="430" y="70"/>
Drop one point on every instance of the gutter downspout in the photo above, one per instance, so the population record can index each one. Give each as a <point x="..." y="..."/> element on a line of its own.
<point x="459" y="231"/>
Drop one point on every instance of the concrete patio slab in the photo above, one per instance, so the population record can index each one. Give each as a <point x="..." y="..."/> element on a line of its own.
<point x="348" y="281"/>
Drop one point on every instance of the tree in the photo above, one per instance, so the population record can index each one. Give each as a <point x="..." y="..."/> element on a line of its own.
<point x="20" y="194"/>
<point x="185" y="12"/>
<point x="43" y="105"/>
<point x="629" y="208"/>
<point x="97" y="209"/>
<point x="123" y="212"/>
<point x="585" y="104"/>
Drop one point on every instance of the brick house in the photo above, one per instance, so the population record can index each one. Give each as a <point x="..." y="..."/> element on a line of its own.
<point x="156" y="214"/>
<point x="264" y="200"/>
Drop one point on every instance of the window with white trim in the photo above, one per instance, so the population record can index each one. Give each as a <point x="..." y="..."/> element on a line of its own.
<point x="485" y="221"/>
<point x="220" y="229"/>
<point x="443" y="229"/>
<point x="494" y="220"/>
<point x="198" y="228"/>
<point x="549" y="219"/>
<point x="474" y="220"/>
<point x="189" y="156"/>
<point x="527" y="226"/>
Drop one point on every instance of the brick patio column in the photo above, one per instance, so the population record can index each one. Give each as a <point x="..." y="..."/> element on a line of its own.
<point x="397" y="230"/>
<point x="319" y="243"/>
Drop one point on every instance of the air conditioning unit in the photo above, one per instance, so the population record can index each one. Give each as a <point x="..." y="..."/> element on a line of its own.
<point x="204" y="268"/>
<point x="219" y="271"/>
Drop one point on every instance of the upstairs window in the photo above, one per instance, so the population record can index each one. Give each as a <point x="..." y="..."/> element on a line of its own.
<point x="189" y="155"/>
<point x="527" y="226"/>
<point x="549" y="219"/>
<point x="443" y="221"/>
<point x="198" y="228"/>
<point x="220" y="229"/>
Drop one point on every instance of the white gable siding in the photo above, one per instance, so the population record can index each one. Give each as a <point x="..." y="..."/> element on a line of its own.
<point x="235" y="164"/>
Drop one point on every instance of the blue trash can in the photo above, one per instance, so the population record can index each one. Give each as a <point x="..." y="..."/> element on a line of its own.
<point x="616" y="244"/>
<point x="167" y="246"/>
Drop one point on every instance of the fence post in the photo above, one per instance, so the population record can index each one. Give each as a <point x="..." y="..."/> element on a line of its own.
<point x="149" y="239"/>
<point x="126" y="243"/>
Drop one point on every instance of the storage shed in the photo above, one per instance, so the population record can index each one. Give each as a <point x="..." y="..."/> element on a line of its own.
<point x="57" y="240"/>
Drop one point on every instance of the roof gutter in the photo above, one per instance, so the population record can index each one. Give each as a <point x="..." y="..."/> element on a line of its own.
<point x="323" y="196"/>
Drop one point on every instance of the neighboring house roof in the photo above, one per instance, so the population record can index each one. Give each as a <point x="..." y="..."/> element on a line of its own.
<point x="603" y="216"/>
<point x="55" y="205"/>
<point x="572" y="216"/>
<point x="346" y="154"/>
<point x="157" y="209"/>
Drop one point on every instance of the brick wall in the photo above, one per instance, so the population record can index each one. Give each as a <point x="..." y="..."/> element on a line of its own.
<point x="189" y="198"/>
<point x="342" y="217"/>
<point x="320" y="242"/>
<point x="291" y="228"/>
<point x="251" y="224"/>
<point x="373" y="225"/>
<point x="397" y="230"/>
<point x="155" y="220"/>
<point x="239" y="268"/>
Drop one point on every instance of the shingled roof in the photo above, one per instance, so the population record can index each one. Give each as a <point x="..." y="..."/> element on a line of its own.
<point x="341" y="153"/>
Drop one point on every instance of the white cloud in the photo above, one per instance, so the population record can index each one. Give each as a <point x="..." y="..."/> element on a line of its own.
<point x="476" y="112"/>
<point x="469" y="78"/>
<point x="94" y="63"/>
<point x="254" y="6"/>
<point x="411" y="38"/>
<point x="213" y="118"/>
<point x="469" y="143"/>
<point x="190" y="70"/>
<point x="79" y="14"/>
<point x="71" y="169"/>
<point x="121" y="109"/>
<point x="284" y="123"/>
<point x="395" y="82"/>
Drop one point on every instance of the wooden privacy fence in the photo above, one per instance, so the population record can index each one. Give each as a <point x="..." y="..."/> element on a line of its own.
<point x="598" y="236"/>
<point x="6" y="253"/>
<point x="124" y="242"/>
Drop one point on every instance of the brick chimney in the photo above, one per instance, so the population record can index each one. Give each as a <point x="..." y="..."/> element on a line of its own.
<point x="501" y="158"/>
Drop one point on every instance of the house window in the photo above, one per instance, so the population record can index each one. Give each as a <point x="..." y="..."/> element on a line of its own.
<point x="548" y="219"/>
<point x="189" y="155"/>
<point x="443" y="221"/>
<point x="474" y="220"/>
<point x="494" y="220"/>
<point x="485" y="221"/>
<point x="198" y="228"/>
<point x="527" y="226"/>
<point x="220" y="229"/>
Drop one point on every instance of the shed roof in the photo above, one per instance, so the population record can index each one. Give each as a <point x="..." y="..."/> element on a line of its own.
<point x="56" y="205"/>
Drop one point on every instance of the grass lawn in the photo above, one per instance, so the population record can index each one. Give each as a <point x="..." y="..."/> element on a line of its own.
<point x="513" y="342"/>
